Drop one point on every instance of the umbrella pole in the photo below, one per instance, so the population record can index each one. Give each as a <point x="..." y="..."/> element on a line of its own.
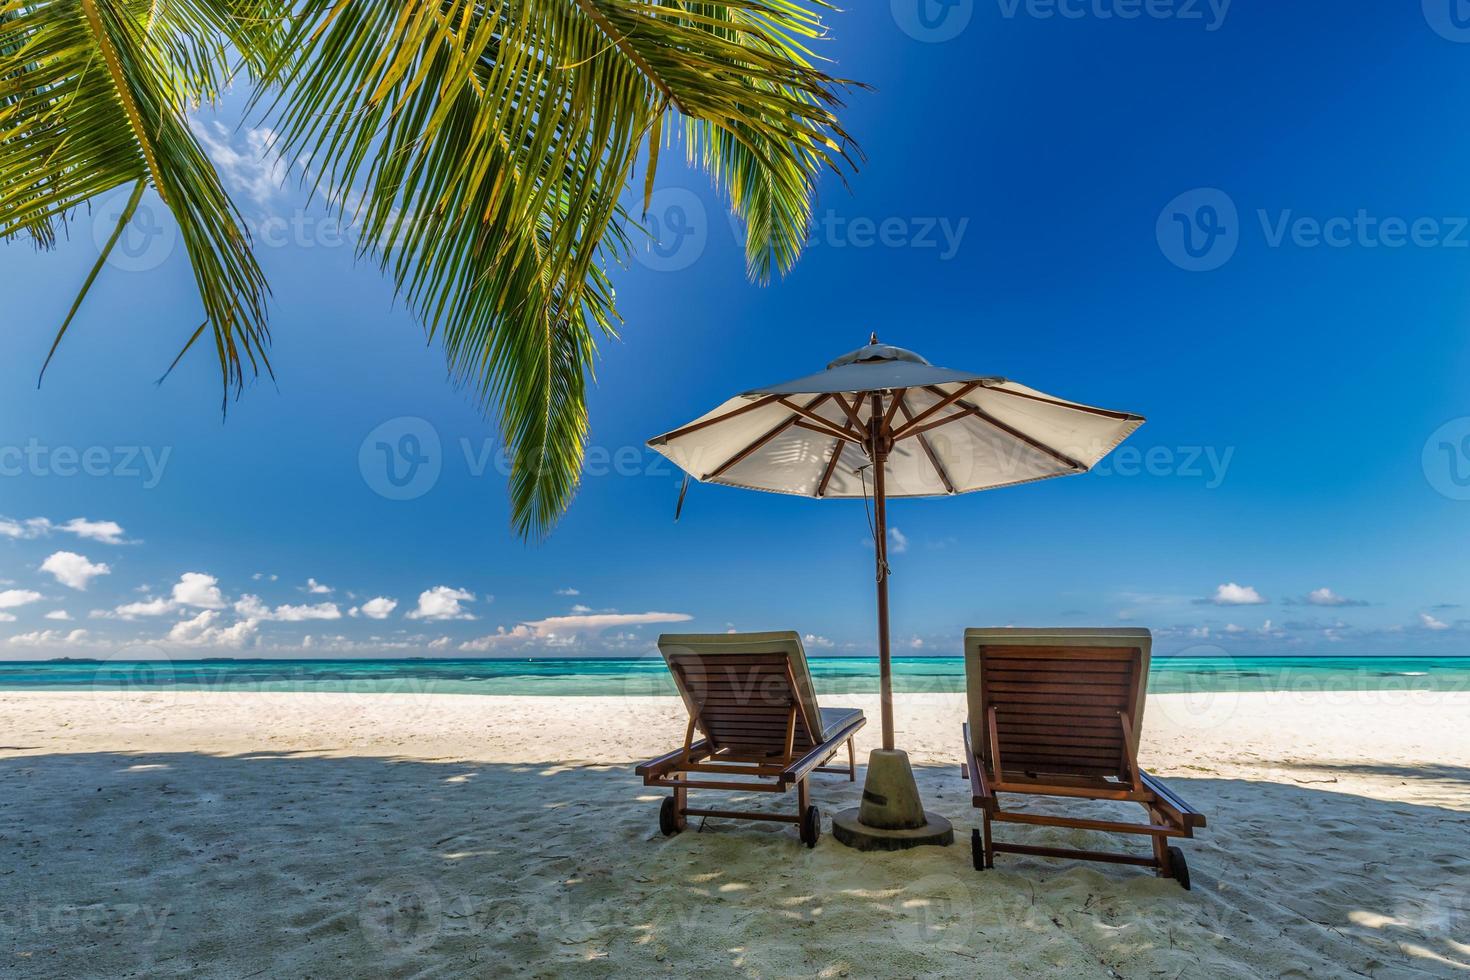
<point x="880" y="531"/>
<point x="891" y="815"/>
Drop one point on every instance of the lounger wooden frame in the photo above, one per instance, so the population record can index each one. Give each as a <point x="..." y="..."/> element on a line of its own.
<point x="1060" y="720"/>
<point x="758" y="738"/>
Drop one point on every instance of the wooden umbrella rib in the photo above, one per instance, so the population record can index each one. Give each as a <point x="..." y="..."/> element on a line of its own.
<point x="1105" y="413"/>
<point x="819" y="424"/>
<point x="854" y="420"/>
<point x="944" y="402"/>
<point x="928" y="449"/>
<point x="696" y="426"/>
<point x="898" y="394"/>
<point x="1015" y="433"/>
<point x="770" y="434"/>
<point x="826" y="430"/>
<point x="832" y="463"/>
<point x="909" y="431"/>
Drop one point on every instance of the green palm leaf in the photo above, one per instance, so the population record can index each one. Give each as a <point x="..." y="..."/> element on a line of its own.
<point x="492" y="142"/>
<point x="93" y="95"/>
<point x="482" y="147"/>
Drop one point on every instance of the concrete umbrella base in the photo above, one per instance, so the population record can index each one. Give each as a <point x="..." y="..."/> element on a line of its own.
<point x="891" y="817"/>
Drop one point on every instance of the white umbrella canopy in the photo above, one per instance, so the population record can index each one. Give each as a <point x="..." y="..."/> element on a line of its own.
<point x="883" y="422"/>
<point x="946" y="431"/>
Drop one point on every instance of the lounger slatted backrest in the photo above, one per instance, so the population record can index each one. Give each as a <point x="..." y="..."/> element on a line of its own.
<point x="750" y="693"/>
<point x="1066" y="702"/>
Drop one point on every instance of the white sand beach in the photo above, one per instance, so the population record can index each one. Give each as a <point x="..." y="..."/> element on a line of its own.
<point x="251" y="834"/>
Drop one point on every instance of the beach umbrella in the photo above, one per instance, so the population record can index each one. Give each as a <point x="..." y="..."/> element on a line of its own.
<point x="883" y="422"/>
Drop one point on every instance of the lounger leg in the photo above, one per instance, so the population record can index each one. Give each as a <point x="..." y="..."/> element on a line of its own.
<point x="803" y="798"/>
<point x="851" y="762"/>
<point x="989" y="840"/>
<point x="681" y="801"/>
<point x="1161" y="846"/>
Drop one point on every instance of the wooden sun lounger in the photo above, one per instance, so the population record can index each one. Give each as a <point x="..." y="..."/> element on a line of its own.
<point x="751" y="696"/>
<point x="1058" y="712"/>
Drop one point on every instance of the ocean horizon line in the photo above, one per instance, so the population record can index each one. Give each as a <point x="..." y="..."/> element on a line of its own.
<point x="654" y="657"/>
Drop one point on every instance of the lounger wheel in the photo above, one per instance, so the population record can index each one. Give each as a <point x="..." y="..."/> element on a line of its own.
<point x="1179" y="867"/>
<point x="811" y="826"/>
<point x="668" y="817"/>
<point x="977" y="849"/>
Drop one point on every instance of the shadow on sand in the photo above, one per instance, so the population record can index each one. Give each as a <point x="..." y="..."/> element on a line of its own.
<point x="273" y="865"/>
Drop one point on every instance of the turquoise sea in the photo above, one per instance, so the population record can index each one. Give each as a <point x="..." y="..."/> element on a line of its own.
<point x="648" y="676"/>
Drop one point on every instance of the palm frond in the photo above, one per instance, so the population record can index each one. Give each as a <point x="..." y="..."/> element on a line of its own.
<point x="483" y="148"/>
<point x="93" y="95"/>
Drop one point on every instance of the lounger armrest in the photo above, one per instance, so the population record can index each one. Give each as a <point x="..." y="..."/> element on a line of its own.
<point x="672" y="760"/>
<point x="801" y="768"/>
<point x="1171" y="803"/>
<point x="981" y="795"/>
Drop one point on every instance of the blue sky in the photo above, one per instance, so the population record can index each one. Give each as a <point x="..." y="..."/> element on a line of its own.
<point x="1244" y="221"/>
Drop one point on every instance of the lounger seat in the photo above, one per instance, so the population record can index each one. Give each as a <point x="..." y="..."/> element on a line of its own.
<point x="835" y="719"/>
<point x="751" y="696"/>
<point x="1058" y="712"/>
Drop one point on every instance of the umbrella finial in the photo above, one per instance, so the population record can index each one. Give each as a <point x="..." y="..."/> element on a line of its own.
<point x="872" y="338"/>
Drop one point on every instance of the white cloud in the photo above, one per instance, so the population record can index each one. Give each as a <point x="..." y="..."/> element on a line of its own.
<point x="198" y="590"/>
<point x="59" y="614"/>
<point x="149" y="607"/>
<point x="580" y="609"/>
<point x="258" y="576"/>
<point x="32" y="528"/>
<point x="73" y="570"/>
<point x="299" y="614"/>
<point x="916" y="643"/>
<point x="316" y="588"/>
<point x="597" y="622"/>
<point x="106" y="532"/>
<point x="202" y="631"/>
<point x="1430" y="623"/>
<point x="255" y="170"/>
<point x="6" y="617"/>
<point x="1231" y="594"/>
<point x="817" y="642"/>
<point x="379" y="608"/>
<point x="442" y="602"/>
<point x="11" y="598"/>
<point x="569" y="591"/>
<point x="500" y="638"/>
<point x="898" y="542"/>
<point x="48" y="638"/>
<point x="1326" y="597"/>
<point x="565" y="631"/>
<point x="251" y="608"/>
